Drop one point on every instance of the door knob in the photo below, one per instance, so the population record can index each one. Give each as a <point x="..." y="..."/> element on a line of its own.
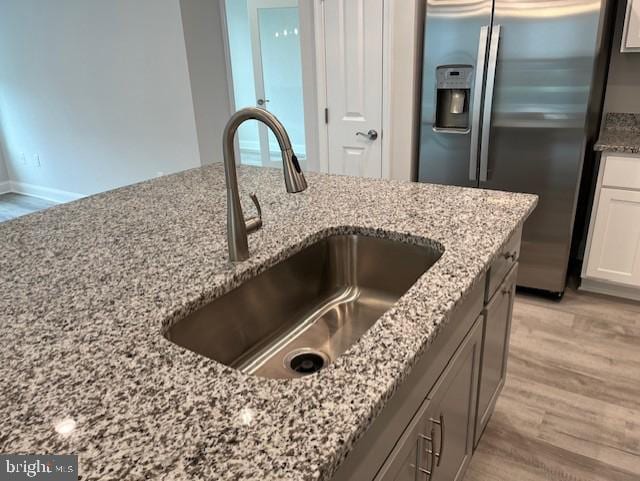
<point x="371" y="135"/>
<point x="262" y="101"/>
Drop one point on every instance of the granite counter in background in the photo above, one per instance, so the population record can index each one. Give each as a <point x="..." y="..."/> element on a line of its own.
<point x="620" y="133"/>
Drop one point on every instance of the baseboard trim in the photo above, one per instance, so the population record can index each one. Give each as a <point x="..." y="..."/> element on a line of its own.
<point x="46" y="193"/>
<point x="5" y="187"/>
<point x="609" y="289"/>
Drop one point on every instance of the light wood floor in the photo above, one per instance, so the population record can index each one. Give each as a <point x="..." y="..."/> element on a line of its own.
<point x="14" y="205"/>
<point x="570" y="409"/>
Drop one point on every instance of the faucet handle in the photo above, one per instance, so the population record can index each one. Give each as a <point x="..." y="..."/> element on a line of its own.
<point x="254" y="198"/>
<point x="254" y="223"/>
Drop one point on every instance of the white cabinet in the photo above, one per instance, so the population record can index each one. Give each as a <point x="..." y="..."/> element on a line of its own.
<point x="631" y="33"/>
<point x="612" y="265"/>
<point x="615" y="245"/>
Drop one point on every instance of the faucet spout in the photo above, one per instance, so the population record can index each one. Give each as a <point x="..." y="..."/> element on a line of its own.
<point x="237" y="226"/>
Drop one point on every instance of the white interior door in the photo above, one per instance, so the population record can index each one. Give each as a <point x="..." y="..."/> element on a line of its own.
<point x="353" y="51"/>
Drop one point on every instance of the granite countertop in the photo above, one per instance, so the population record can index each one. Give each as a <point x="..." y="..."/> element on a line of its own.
<point x="620" y="133"/>
<point x="86" y="288"/>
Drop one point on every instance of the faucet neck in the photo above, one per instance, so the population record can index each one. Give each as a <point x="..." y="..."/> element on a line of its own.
<point x="293" y="176"/>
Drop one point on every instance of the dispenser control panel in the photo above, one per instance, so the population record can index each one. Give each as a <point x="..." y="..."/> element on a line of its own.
<point x="454" y="77"/>
<point x="453" y="95"/>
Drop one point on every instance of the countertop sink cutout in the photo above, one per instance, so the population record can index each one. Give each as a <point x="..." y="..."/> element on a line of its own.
<point x="301" y="314"/>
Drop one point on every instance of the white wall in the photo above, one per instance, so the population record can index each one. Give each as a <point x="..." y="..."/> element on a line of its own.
<point x="203" y="34"/>
<point x="98" y="89"/>
<point x="241" y="60"/>
<point x="403" y="67"/>
<point x="4" y="175"/>
<point x="309" y="86"/>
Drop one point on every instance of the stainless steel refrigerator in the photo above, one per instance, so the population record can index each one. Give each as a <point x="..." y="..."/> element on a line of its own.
<point x="511" y="95"/>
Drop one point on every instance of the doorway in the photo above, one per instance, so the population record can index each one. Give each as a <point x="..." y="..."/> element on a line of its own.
<point x="267" y="41"/>
<point x="352" y="40"/>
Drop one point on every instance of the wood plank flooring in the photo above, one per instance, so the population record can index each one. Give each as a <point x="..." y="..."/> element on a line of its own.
<point x="570" y="409"/>
<point x="15" y="205"/>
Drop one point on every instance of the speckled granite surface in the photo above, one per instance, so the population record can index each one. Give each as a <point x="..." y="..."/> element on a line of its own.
<point x="86" y="287"/>
<point x="620" y="133"/>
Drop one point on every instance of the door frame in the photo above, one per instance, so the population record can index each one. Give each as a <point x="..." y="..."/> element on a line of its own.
<point x="309" y="80"/>
<point x="315" y="90"/>
<point x="227" y="64"/>
<point x="321" y="82"/>
<point x="258" y="69"/>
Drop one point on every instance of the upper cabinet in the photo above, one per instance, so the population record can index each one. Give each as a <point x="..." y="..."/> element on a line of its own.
<point x="631" y="33"/>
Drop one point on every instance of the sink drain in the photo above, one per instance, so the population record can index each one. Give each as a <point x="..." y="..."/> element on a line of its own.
<point x="306" y="361"/>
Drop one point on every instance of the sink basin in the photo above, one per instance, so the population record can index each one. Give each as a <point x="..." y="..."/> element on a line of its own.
<point x="301" y="314"/>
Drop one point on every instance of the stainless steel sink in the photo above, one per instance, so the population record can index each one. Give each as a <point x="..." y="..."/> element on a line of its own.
<point x="301" y="314"/>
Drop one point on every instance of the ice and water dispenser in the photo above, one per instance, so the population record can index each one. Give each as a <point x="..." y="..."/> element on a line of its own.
<point x="453" y="85"/>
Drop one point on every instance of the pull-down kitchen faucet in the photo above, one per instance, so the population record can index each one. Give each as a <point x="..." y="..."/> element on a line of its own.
<point x="237" y="226"/>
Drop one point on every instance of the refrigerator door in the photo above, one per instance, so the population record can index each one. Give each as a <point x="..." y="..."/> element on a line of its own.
<point x="454" y="37"/>
<point x="536" y="142"/>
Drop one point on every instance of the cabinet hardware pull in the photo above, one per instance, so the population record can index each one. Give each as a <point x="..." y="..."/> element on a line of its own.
<point x="440" y="423"/>
<point x="429" y="440"/>
<point x="429" y="451"/>
<point x="425" y="471"/>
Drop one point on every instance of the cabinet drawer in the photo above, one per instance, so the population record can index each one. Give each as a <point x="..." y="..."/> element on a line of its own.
<point x="622" y="171"/>
<point x="506" y="259"/>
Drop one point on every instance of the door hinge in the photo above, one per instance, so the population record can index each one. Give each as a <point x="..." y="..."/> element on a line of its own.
<point x="326" y="116"/>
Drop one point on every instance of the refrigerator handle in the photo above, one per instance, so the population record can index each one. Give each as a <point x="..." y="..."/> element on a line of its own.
<point x="481" y="65"/>
<point x="488" y="103"/>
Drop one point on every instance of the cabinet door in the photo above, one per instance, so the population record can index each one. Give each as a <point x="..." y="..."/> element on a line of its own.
<point x="438" y="443"/>
<point x="408" y="460"/>
<point x="615" y="244"/>
<point x="452" y="412"/>
<point x="495" y="349"/>
<point x="631" y="34"/>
